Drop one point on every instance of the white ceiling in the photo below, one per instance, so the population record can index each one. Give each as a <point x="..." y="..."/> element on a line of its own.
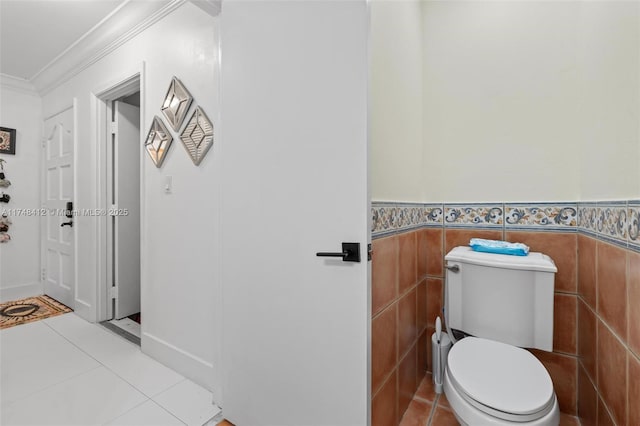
<point x="34" y="32"/>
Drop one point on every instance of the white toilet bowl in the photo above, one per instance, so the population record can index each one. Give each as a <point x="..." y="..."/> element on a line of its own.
<point x="491" y="383"/>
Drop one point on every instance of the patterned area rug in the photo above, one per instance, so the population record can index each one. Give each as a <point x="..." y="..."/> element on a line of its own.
<point x="29" y="310"/>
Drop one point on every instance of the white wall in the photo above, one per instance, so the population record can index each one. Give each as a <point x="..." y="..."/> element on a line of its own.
<point x="610" y="148"/>
<point x="522" y="101"/>
<point x="397" y="170"/>
<point x="180" y="230"/>
<point x="21" y="109"/>
<point x="501" y="84"/>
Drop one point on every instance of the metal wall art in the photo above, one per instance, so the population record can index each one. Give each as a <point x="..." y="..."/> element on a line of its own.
<point x="158" y="141"/>
<point x="197" y="137"/>
<point x="176" y="104"/>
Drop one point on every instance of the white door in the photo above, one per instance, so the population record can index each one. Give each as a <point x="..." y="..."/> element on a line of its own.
<point x="58" y="236"/>
<point x="123" y="228"/>
<point x="295" y="347"/>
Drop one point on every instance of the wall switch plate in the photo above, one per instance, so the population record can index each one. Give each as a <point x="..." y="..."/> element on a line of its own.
<point x="168" y="184"/>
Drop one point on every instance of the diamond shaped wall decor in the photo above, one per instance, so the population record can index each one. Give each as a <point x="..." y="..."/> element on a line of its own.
<point x="197" y="137"/>
<point x="158" y="141"/>
<point x="176" y="103"/>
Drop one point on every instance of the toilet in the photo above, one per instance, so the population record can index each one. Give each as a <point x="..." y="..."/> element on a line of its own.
<point x="503" y="304"/>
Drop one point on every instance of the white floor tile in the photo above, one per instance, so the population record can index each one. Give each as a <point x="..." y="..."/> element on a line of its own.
<point x="118" y="354"/>
<point x="143" y="372"/>
<point x="27" y="353"/>
<point x="91" y="338"/>
<point x="92" y="398"/>
<point x="147" y="414"/>
<point x="189" y="402"/>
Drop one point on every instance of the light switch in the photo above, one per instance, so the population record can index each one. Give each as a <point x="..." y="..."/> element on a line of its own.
<point x="168" y="184"/>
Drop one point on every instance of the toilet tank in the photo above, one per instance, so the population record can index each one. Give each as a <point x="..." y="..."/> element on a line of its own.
<point x="501" y="297"/>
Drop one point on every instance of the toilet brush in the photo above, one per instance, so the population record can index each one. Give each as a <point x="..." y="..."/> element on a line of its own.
<point x="437" y="370"/>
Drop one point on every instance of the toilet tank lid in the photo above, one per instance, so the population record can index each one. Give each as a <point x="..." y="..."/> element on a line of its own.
<point x="532" y="262"/>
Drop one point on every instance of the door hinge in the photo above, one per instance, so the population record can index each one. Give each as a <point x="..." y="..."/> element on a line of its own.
<point x="369" y="251"/>
<point x="114" y="127"/>
<point x="43" y="274"/>
<point x="113" y="292"/>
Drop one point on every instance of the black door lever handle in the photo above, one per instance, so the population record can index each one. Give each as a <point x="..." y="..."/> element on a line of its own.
<point x="69" y="224"/>
<point x="350" y="253"/>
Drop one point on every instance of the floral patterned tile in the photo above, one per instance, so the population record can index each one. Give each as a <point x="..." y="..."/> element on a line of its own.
<point x="587" y="217"/>
<point x="633" y="224"/>
<point x="434" y="214"/>
<point x="383" y="218"/>
<point x="542" y="215"/>
<point x="474" y="215"/>
<point x="617" y="222"/>
<point x="612" y="221"/>
<point x="390" y="217"/>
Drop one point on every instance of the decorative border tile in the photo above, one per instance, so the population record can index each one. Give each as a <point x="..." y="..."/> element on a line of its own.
<point x="587" y="218"/>
<point x="633" y="224"/>
<point x="387" y="218"/>
<point x="616" y="222"/>
<point x="434" y="214"/>
<point x="539" y="216"/>
<point x="474" y="215"/>
<point x="612" y="221"/>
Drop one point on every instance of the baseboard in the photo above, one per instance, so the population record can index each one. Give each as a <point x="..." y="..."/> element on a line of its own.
<point x="192" y="367"/>
<point x="21" y="291"/>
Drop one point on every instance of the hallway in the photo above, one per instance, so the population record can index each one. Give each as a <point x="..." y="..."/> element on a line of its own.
<point x="65" y="370"/>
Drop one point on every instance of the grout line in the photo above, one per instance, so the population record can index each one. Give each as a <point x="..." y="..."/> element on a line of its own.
<point x="602" y="320"/>
<point x="144" y="402"/>
<point x="149" y="397"/>
<point x="109" y="368"/>
<point x="7" y="404"/>
<point x="433" y="409"/>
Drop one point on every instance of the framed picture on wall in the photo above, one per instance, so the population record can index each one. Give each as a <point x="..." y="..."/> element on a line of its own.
<point x="7" y="141"/>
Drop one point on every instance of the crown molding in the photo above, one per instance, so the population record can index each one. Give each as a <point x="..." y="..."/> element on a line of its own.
<point x="123" y="24"/>
<point x="17" y="84"/>
<point x="212" y="7"/>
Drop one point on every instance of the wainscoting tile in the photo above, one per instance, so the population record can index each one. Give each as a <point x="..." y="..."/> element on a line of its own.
<point x="587" y="269"/>
<point x="612" y="222"/>
<point x="587" y="340"/>
<point x="384" y="331"/>
<point x="384" y="272"/>
<point x="384" y="404"/>
<point x="474" y="215"/>
<point x="564" y="323"/>
<point x="407" y="332"/>
<point x="561" y="247"/>
<point x="612" y="375"/>
<point x="633" y="303"/>
<point x="612" y="287"/>
<point x="548" y="216"/>
<point x="587" y="399"/>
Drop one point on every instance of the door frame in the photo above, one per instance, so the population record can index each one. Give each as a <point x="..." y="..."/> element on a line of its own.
<point x="43" y="194"/>
<point x="122" y="86"/>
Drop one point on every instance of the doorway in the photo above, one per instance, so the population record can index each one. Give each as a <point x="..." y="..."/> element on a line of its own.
<point x="122" y="214"/>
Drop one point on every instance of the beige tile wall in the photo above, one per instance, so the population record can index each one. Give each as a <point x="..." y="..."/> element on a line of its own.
<point x="398" y="326"/>
<point x="608" y="334"/>
<point x="407" y="296"/>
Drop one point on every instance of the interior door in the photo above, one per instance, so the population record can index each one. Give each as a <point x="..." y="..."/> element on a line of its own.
<point x="125" y="209"/>
<point x="58" y="236"/>
<point x="295" y="347"/>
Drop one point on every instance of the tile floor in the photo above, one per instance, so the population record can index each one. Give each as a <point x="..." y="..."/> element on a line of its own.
<point x="430" y="409"/>
<point x="66" y="371"/>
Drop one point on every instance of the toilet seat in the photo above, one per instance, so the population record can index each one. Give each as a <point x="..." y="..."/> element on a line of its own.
<point x="501" y="380"/>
